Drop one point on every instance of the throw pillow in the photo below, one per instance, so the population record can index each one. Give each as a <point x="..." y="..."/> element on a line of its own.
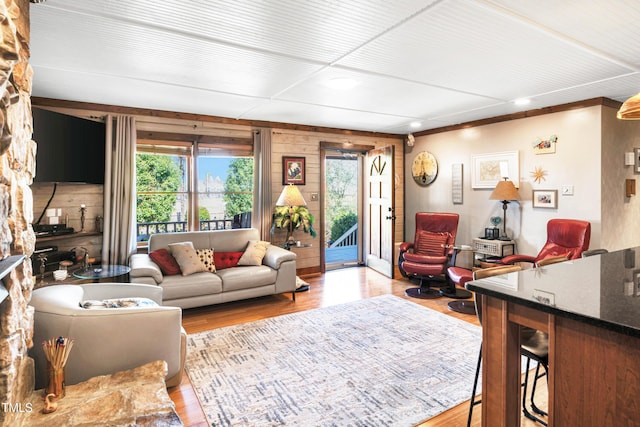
<point x="187" y="258"/>
<point x="429" y="243"/>
<point x="226" y="259"/>
<point x="254" y="253"/>
<point x="167" y="263"/>
<point x="207" y="258"/>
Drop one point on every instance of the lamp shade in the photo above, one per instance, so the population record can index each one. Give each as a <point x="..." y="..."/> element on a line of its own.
<point x="291" y="196"/>
<point x="630" y="109"/>
<point x="505" y="190"/>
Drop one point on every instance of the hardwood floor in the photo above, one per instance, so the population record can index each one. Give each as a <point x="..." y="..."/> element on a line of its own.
<point x="334" y="287"/>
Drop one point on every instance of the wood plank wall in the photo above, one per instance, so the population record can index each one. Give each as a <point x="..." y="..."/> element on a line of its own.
<point x="68" y="198"/>
<point x="287" y="139"/>
<point x="307" y="144"/>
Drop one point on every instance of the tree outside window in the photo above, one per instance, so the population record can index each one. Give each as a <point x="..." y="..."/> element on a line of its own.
<point x="224" y="189"/>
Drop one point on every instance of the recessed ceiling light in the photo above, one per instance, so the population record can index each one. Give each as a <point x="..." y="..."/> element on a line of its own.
<point x="341" y="83"/>
<point x="415" y="124"/>
<point x="522" y="101"/>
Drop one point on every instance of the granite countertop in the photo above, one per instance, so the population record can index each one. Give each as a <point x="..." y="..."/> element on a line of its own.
<point x="602" y="290"/>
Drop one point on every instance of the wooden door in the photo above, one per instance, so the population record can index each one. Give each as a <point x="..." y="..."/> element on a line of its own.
<point x="381" y="208"/>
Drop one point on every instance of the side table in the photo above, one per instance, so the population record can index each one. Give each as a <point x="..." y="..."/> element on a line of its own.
<point x="102" y="272"/>
<point x="485" y="249"/>
<point x="288" y="246"/>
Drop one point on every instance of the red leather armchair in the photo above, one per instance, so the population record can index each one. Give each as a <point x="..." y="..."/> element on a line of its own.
<point x="565" y="237"/>
<point x="431" y="252"/>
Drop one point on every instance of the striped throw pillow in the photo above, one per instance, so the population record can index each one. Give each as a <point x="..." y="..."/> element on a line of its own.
<point x="429" y="243"/>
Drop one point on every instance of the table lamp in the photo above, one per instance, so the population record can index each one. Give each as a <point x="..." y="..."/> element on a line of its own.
<point x="506" y="192"/>
<point x="292" y="198"/>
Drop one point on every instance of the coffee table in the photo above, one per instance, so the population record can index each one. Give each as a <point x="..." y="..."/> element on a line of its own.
<point x="96" y="273"/>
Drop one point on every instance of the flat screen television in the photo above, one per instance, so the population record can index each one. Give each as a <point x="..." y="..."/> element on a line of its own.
<point x="70" y="149"/>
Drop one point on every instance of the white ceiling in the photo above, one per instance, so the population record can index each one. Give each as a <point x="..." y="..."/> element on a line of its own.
<point x="439" y="62"/>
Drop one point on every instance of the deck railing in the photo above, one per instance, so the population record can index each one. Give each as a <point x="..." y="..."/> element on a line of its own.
<point x="145" y="229"/>
<point x="348" y="238"/>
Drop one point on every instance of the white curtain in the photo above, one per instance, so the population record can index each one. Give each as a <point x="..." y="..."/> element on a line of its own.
<point x="119" y="191"/>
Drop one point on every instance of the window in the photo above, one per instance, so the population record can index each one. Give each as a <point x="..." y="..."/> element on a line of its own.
<point x="162" y="199"/>
<point x="225" y="192"/>
<point x="221" y="193"/>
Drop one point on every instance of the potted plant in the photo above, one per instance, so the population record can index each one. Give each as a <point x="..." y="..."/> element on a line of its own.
<point x="291" y="219"/>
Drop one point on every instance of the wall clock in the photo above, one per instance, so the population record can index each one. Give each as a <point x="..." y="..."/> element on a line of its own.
<point x="425" y="168"/>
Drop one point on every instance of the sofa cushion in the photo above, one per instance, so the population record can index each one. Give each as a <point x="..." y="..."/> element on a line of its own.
<point x="187" y="258"/>
<point x="226" y="259"/>
<point x="207" y="259"/>
<point x="254" y="253"/>
<point x="167" y="263"/>
<point x="194" y="285"/>
<point x="246" y="277"/>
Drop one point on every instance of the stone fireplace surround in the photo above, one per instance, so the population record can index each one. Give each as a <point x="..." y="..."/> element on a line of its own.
<point x="19" y="405"/>
<point x="17" y="166"/>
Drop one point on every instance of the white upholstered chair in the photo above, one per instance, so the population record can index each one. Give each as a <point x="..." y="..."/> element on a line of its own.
<point x="107" y="340"/>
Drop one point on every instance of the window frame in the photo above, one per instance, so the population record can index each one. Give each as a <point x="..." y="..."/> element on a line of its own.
<point x="192" y="150"/>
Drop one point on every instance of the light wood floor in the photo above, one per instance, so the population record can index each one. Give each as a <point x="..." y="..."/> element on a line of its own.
<point x="332" y="288"/>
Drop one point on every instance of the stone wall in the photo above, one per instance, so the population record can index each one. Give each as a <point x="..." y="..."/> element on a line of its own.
<point x="17" y="165"/>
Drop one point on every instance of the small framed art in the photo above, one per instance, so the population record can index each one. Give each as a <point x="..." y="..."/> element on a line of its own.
<point x="293" y="170"/>
<point x="545" y="199"/>
<point x="456" y="183"/>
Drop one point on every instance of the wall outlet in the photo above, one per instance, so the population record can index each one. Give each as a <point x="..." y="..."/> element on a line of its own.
<point x="636" y="282"/>
<point x="629" y="289"/>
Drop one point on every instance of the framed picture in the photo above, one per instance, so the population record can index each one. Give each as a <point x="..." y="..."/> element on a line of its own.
<point x="293" y="170"/>
<point x="545" y="146"/>
<point x="637" y="164"/>
<point x="545" y="199"/>
<point x="488" y="169"/>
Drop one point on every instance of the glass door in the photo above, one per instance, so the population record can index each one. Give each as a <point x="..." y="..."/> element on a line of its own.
<point x="342" y="225"/>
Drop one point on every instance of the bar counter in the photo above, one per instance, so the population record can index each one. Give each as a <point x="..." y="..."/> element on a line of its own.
<point x="590" y="308"/>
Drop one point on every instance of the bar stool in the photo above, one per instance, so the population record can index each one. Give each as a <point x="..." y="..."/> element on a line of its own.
<point x="534" y="346"/>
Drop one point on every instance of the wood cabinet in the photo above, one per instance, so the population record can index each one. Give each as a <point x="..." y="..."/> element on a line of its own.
<point x="594" y="340"/>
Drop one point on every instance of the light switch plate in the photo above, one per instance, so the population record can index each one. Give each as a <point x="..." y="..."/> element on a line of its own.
<point x="567" y="190"/>
<point x="544" y="297"/>
<point x="314" y="197"/>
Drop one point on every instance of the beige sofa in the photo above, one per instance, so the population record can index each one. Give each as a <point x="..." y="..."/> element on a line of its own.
<point x="276" y="275"/>
<point x="107" y="340"/>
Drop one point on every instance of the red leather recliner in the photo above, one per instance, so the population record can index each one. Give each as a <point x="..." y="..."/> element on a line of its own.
<point x="431" y="252"/>
<point x="565" y="237"/>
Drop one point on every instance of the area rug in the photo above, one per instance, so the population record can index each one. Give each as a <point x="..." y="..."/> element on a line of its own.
<point x="383" y="361"/>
